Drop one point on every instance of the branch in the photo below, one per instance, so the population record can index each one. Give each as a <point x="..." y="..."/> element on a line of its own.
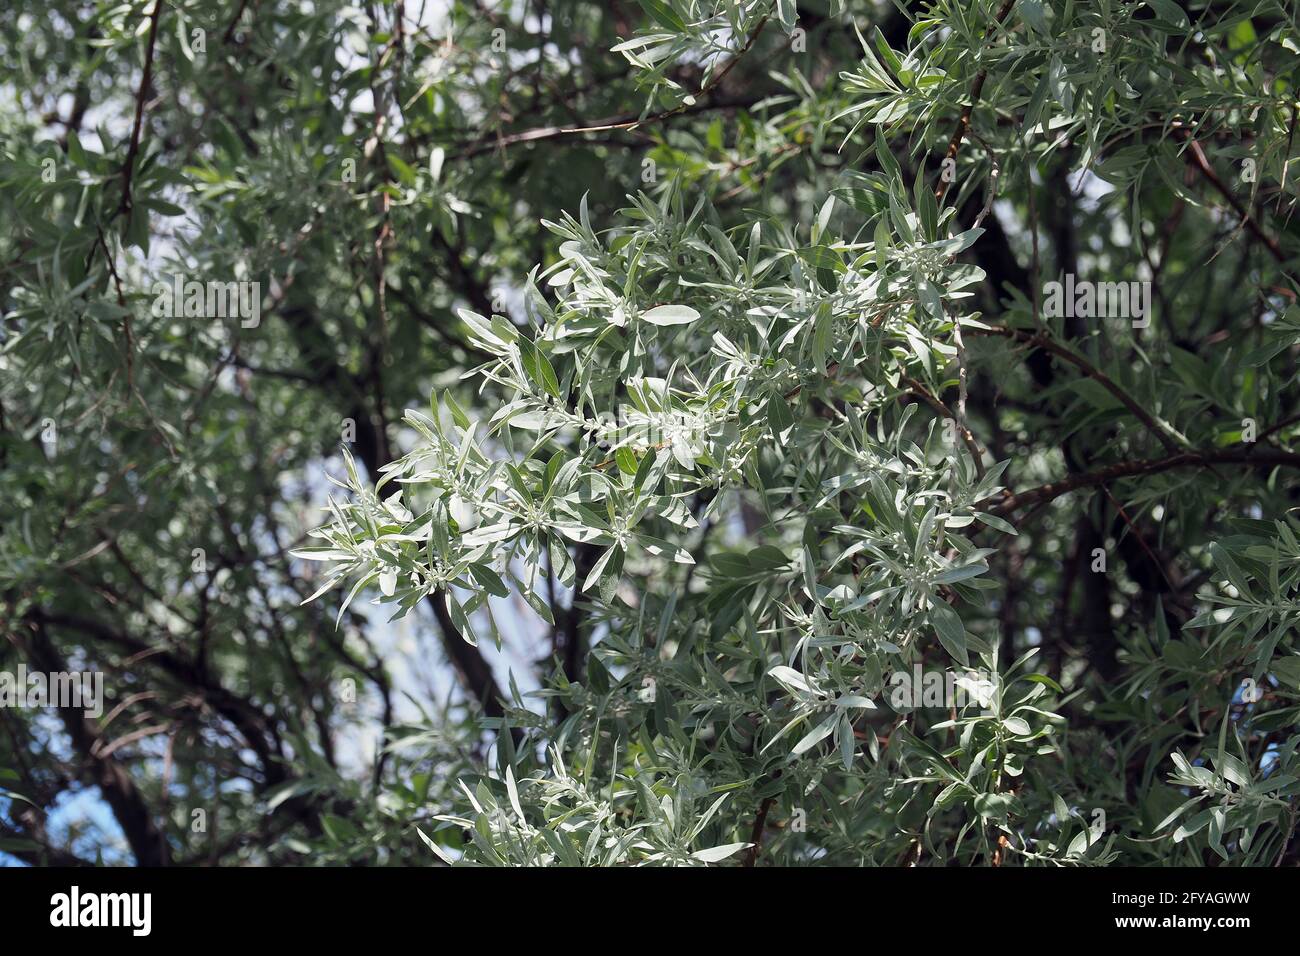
<point x="1274" y="429"/>
<point x="625" y="121"/>
<point x="243" y="714"/>
<point x="129" y="167"/>
<point x="977" y="87"/>
<point x="1008" y="503"/>
<point x="756" y="834"/>
<point x="130" y="808"/>
<point x="1039" y="340"/>
<point x="475" y="674"/>
<point x="939" y="407"/>
<point x="234" y="22"/>
<point x="628" y="121"/>
<point x="1207" y="172"/>
<point x="372" y="449"/>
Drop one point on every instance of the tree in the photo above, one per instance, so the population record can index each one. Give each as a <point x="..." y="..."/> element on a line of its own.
<point x="876" y="418"/>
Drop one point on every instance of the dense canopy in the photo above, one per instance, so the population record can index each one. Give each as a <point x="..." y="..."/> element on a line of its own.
<point x="670" y="432"/>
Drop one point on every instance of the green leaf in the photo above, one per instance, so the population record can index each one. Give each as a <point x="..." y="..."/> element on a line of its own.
<point x="670" y="315"/>
<point x="663" y="14"/>
<point x="715" y="854"/>
<point x="948" y="627"/>
<point x="817" y="734"/>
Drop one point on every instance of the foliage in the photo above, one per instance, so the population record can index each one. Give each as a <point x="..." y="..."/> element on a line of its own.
<point x="708" y="351"/>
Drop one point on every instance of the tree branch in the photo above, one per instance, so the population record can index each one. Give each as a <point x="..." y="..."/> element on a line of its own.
<point x="1207" y="172"/>
<point x="128" y="167"/>
<point x="627" y="121"/>
<point x="977" y="87"/>
<point x="1038" y="340"/>
<point x="1009" y="502"/>
<point x="147" y="841"/>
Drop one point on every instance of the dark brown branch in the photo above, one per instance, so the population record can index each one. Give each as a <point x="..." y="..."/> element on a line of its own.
<point x="976" y="453"/>
<point x="243" y="714"/>
<point x="1274" y="429"/>
<point x="756" y="834"/>
<point x="234" y="22"/>
<point x="130" y="808"/>
<point x="1207" y="172"/>
<point x="977" y="88"/>
<point x="372" y="449"/>
<point x="1007" y="503"/>
<point x="624" y="121"/>
<point x="627" y="121"/>
<point x="133" y="150"/>
<point x="1038" y="340"/>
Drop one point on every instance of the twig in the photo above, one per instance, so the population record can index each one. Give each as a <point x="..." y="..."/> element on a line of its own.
<point x="625" y="121"/>
<point x="1207" y="172"/>
<point x="234" y="22"/>
<point x="756" y="834"/>
<point x="937" y="405"/>
<point x="1159" y="565"/>
<point x="977" y="87"/>
<point x="1009" y="502"/>
<point x="133" y="150"/>
<point x="1039" y="340"/>
<point x="1274" y="429"/>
